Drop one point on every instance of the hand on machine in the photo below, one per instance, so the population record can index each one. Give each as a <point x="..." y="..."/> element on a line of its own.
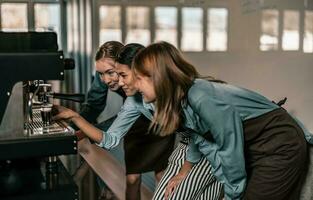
<point x="62" y="113"/>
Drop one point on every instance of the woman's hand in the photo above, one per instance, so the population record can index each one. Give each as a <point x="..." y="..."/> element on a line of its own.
<point x="86" y="128"/>
<point x="80" y="135"/>
<point x="63" y="113"/>
<point x="172" y="184"/>
<point x="176" y="180"/>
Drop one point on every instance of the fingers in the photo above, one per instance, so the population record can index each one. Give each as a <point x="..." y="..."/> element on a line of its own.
<point x="57" y="117"/>
<point x="58" y="112"/>
<point x="63" y="113"/>
<point x="167" y="193"/>
<point x="172" y="185"/>
<point x="55" y="109"/>
<point x="169" y="189"/>
<point x="59" y="108"/>
<point x="80" y="135"/>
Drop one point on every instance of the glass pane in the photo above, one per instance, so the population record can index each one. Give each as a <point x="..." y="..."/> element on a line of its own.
<point x="138" y="29"/>
<point x="217" y="29"/>
<point x="47" y="18"/>
<point x="291" y="30"/>
<point x="308" y="32"/>
<point x="269" y="34"/>
<point x="14" y="17"/>
<point x="192" y="29"/>
<point x="110" y="23"/>
<point x="166" y="24"/>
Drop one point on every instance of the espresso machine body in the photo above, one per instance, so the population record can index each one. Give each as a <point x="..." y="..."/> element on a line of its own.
<point x="31" y="56"/>
<point x="25" y="60"/>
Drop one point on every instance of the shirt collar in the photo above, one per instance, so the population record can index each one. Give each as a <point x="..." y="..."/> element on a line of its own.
<point x="149" y="106"/>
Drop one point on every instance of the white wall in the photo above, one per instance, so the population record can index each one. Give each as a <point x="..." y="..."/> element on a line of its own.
<point x="274" y="74"/>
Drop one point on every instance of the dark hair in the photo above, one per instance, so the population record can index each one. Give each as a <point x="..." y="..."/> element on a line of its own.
<point x="128" y="53"/>
<point x="109" y="49"/>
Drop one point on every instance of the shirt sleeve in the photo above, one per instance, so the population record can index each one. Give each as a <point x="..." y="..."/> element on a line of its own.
<point x="127" y="116"/>
<point x="225" y="153"/>
<point x="96" y="99"/>
<point x="193" y="154"/>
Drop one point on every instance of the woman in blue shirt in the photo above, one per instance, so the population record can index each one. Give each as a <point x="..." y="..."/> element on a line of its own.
<point x="256" y="149"/>
<point x="200" y="184"/>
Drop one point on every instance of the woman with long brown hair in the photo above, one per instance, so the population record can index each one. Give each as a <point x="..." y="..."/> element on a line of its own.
<point x="256" y="149"/>
<point x="142" y="152"/>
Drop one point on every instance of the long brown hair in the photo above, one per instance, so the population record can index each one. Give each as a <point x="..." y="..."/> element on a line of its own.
<point x="172" y="76"/>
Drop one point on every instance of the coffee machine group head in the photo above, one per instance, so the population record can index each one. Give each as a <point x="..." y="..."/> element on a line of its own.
<point x="38" y="95"/>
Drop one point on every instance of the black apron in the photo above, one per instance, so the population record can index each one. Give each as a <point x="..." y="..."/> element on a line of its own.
<point x="276" y="157"/>
<point x="146" y="152"/>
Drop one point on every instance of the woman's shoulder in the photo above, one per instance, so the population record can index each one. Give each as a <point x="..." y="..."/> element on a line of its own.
<point x="199" y="89"/>
<point x="200" y="84"/>
<point x="134" y="101"/>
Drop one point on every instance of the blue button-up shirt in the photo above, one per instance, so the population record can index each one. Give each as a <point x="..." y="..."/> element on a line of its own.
<point x="96" y="102"/>
<point x="221" y="109"/>
<point x="131" y="110"/>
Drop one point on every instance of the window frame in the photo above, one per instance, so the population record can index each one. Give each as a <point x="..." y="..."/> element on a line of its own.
<point x="207" y="28"/>
<point x="279" y="31"/>
<point x="31" y="16"/>
<point x="152" y="5"/>
<point x="300" y="32"/>
<point x="176" y="23"/>
<point x="149" y="8"/>
<point x="301" y="29"/>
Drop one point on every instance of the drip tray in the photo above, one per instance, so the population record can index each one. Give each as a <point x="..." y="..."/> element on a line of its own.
<point x="37" y="128"/>
<point x="37" y="140"/>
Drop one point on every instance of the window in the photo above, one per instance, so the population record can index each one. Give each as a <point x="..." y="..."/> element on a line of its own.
<point x="110" y="23"/>
<point x="290" y="40"/>
<point x="166" y="24"/>
<point x="308" y="32"/>
<point x="14" y="17"/>
<point x="47" y="18"/>
<point x="217" y="29"/>
<point x="138" y="29"/>
<point x="166" y="28"/>
<point x="192" y="29"/>
<point x="269" y="30"/>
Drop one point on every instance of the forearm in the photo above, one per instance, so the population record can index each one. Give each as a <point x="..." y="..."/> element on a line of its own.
<point x="89" y="113"/>
<point x="91" y="131"/>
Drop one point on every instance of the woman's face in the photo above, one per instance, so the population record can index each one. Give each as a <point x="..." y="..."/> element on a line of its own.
<point x="145" y="86"/>
<point x="126" y="79"/>
<point x="108" y="75"/>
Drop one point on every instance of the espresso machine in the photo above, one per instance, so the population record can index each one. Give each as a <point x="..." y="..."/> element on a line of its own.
<point x="30" y="141"/>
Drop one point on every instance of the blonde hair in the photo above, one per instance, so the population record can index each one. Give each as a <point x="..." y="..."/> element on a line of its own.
<point x="172" y="76"/>
<point x="108" y="49"/>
